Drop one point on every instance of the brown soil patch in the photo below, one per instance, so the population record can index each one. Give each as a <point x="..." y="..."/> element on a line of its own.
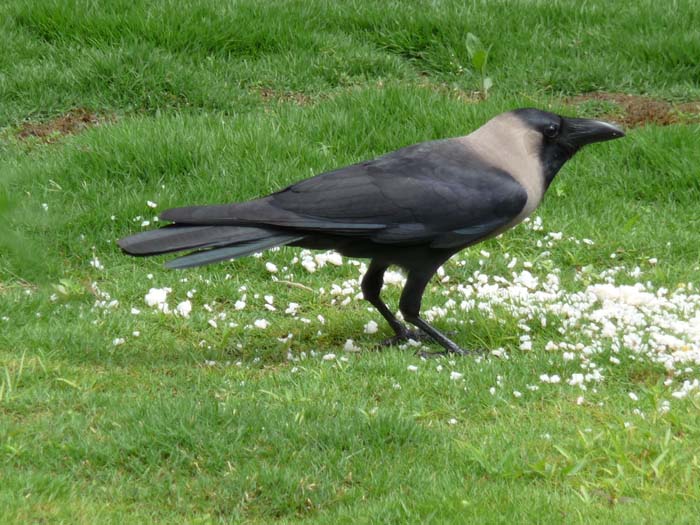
<point x="470" y="97"/>
<point x="636" y="110"/>
<point x="271" y="95"/>
<point x="73" y="122"/>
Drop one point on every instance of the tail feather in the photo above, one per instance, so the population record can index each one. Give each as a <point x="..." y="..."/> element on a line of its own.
<point x="176" y="238"/>
<point x="211" y="243"/>
<point x="242" y="249"/>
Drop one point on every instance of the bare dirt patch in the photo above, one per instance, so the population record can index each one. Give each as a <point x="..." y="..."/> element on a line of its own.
<point x="73" y="122"/>
<point x="295" y="97"/>
<point x="636" y="110"/>
<point x="470" y="97"/>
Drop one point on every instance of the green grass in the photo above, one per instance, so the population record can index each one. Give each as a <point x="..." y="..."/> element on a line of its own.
<point x="205" y="101"/>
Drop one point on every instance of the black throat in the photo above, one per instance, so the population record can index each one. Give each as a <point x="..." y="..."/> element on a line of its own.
<point x="553" y="157"/>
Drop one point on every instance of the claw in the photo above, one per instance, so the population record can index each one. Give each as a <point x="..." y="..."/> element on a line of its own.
<point x="446" y="353"/>
<point x="415" y="335"/>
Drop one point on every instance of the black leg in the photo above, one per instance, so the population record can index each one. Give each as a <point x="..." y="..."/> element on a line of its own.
<point x="372" y="287"/>
<point x="411" y="298"/>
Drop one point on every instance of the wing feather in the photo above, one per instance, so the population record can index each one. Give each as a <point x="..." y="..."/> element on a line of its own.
<point x="436" y="192"/>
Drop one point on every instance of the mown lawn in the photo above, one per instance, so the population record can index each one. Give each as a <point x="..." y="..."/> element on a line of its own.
<point x="115" y="411"/>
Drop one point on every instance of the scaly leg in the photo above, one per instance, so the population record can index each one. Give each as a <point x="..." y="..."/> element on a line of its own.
<point x="410" y="303"/>
<point x="371" y="289"/>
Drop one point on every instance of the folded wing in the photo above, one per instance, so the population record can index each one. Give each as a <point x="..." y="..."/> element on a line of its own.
<point x="437" y="193"/>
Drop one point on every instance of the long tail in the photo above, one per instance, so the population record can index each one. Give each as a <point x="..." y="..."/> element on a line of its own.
<point x="212" y="243"/>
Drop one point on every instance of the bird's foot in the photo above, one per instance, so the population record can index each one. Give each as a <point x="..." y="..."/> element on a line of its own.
<point x="404" y="336"/>
<point x="414" y="335"/>
<point x="453" y="351"/>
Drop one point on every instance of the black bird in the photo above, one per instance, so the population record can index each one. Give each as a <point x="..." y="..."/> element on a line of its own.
<point x="413" y="208"/>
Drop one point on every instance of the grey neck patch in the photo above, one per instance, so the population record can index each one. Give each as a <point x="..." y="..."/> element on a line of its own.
<point x="510" y="145"/>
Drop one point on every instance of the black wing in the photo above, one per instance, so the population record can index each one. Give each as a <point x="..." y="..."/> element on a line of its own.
<point x="435" y="192"/>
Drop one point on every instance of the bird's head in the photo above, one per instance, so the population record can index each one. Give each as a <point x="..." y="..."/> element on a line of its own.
<point x="561" y="137"/>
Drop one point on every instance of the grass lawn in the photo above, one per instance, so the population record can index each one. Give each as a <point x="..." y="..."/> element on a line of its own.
<point x="268" y="402"/>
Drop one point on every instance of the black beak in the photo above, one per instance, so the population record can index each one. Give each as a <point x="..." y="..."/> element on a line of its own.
<point x="582" y="131"/>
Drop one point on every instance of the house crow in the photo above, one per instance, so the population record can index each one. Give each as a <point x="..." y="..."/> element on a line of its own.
<point x="413" y="208"/>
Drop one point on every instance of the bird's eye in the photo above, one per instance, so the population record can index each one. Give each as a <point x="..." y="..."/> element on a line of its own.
<point x="551" y="131"/>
